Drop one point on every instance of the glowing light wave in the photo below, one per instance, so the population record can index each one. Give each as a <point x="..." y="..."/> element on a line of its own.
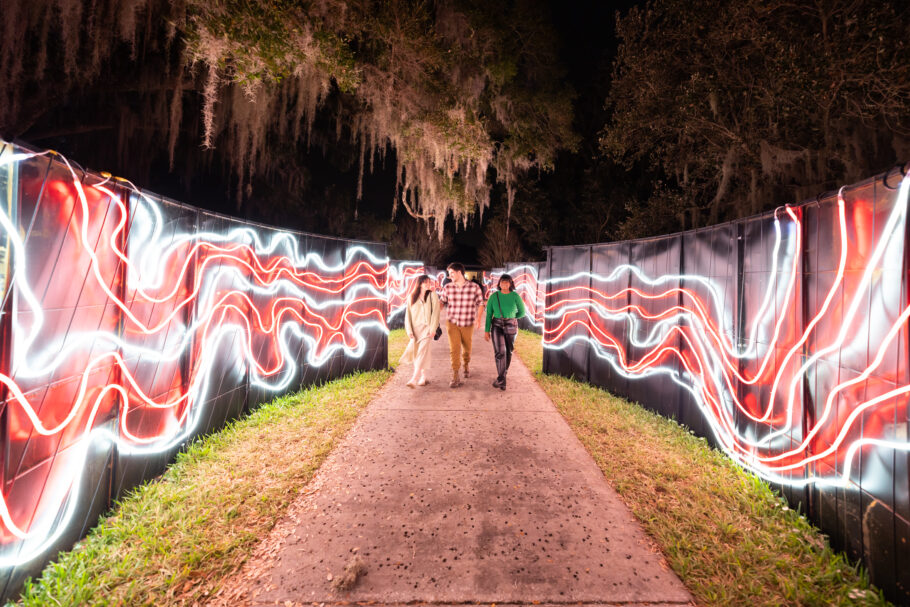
<point x="529" y="288"/>
<point x="123" y="315"/>
<point x="401" y="281"/>
<point x="753" y="389"/>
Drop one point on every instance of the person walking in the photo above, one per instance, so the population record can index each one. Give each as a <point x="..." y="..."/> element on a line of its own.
<point x="479" y="283"/>
<point x="504" y="308"/>
<point x="421" y="320"/>
<point x="463" y="300"/>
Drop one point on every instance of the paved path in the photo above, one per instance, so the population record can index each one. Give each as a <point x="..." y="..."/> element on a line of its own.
<point x="461" y="496"/>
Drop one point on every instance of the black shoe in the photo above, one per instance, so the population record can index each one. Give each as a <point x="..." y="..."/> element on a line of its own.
<point x="497" y="383"/>
<point x="502" y="384"/>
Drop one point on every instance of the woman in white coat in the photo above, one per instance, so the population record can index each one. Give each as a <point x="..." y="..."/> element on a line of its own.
<point x="421" y="319"/>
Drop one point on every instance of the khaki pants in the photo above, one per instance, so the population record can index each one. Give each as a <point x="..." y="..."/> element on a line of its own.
<point x="459" y="344"/>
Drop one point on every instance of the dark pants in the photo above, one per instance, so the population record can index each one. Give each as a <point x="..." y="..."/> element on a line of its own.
<point x="503" y="344"/>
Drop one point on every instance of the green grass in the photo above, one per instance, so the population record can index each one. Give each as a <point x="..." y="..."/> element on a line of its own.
<point x="173" y="540"/>
<point x="398" y="341"/>
<point x="728" y="536"/>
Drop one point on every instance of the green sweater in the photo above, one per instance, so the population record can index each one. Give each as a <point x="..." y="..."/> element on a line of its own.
<point x="512" y="307"/>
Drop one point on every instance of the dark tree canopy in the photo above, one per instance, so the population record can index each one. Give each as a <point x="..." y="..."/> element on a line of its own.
<point x="738" y="104"/>
<point x="462" y="93"/>
<point x="325" y="115"/>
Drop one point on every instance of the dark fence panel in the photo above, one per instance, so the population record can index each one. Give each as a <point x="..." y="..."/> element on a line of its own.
<point x="527" y="284"/>
<point x="782" y="338"/>
<point x="566" y="332"/>
<point x="401" y="282"/>
<point x="131" y="324"/>
<point x="366" y="308"/>
<point x="609" y="276"/>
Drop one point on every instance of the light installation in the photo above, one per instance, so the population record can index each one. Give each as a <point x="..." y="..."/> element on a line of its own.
<point x="491" y="280"/>
<point x="528" y="287"/>
<point x="440" y="279"/>
<point x="487" y="279"/>
<point x="401" y="282"/>
<point x="795" y="376"/>
<point x="129" y="321"/>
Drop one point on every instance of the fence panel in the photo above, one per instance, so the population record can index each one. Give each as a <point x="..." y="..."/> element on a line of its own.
<point x="366" y="307"/>
<point x="527" y="284"/>
<point x="609" y="317"/>
<point x="132" y="324"/>
<point x="60" y="338"/>
<point x="162" y="368"/>
<point x="789" y="350"/>
<point x="401" y="282"/>
<point x="649" y="348"/>
<point x="567" y="333"/>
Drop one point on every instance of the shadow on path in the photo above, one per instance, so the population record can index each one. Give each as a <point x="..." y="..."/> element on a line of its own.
<point x="454" y="496"/>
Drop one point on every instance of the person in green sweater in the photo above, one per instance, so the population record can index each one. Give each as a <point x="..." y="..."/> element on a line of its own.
<point x="504" y="308"/>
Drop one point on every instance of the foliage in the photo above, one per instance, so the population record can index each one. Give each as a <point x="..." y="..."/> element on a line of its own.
<point x="584" y="201"/>
<point x="740" y="104"/>
<point x="729" y="537"/>
<point x="459" y="94"/>
<point x="500" y="243"/>
<point x="413" y="239"/>
<point x="660" y="213"/>
<point x="456" y="87"/>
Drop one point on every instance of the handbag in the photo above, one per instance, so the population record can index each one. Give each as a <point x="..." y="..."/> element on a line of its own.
<point x="438" y="329"/>
<point x="509" y="326"/>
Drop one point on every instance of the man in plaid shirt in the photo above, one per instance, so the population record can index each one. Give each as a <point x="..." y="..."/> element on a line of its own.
<point x="463" y="299"/>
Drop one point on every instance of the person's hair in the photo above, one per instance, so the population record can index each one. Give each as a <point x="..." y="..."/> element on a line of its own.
<point x="415" y="293"/>
<point x="458" y="267"/>
<point x="502" y="278"/>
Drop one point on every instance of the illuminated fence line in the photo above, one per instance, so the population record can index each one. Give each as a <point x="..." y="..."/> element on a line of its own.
<point x="401" y="282"/>
<point x="782" y="338"/>
<point x="530" y="281"/>
<point x="132" y="323"/>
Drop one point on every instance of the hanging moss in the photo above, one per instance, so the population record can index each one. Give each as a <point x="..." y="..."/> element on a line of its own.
<point x="447" y="89"/>
<point x="466" y="93"/>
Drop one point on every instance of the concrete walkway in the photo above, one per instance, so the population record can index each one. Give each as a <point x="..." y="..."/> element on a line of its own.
<point x="462" y="496"/>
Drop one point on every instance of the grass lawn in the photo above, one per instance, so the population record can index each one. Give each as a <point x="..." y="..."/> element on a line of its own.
<point x="173" y="540"/>
<point x="398" y="341"/>
<point x="730" y="539"/>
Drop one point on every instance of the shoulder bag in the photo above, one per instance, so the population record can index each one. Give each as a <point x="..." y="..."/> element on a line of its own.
<point x="438" y="328"/>
<point x="509" y="326"/>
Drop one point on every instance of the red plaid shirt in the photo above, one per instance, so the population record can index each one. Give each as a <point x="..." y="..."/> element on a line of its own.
<point x="461" y="302"/>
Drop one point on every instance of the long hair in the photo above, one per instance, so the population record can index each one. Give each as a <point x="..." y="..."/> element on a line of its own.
<point x="415" y="292"/>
